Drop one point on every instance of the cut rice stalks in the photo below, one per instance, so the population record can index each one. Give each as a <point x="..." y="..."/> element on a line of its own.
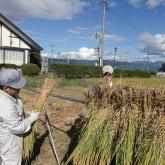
<point x="29" y="138"/>
<point x="126" y="126"/>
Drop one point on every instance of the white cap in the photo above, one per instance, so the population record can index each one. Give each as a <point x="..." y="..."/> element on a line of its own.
<point x="107" y="69"/>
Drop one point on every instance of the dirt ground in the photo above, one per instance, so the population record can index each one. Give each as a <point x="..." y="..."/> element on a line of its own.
<point x="66" y="120"/>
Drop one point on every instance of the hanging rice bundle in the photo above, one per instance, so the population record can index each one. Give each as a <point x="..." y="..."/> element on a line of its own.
<point x="29" y="138"/>
<point x="126" y="127"/>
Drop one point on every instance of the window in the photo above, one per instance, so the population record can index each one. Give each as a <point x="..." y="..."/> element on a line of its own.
<point x="14" y="57"/>
<point x="1" y="56"/>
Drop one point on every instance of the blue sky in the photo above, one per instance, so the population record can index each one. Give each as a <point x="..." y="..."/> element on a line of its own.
<point x="69" y="27"/>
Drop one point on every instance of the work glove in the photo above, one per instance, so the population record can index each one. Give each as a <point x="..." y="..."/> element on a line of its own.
<point x="26" y="112"/>
<point x="33" y="117"/>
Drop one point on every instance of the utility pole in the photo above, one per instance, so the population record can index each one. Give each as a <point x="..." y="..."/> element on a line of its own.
<point x="58" y="58"/>
<point x="98" y="36"/>
<point x="148" y="57"/>
<point x="114" y="57"/>
<point x="105" y="3"/>
<point x="52" y="52"/>
<point x="96" y="52"/>
<point x="68" y="57"/>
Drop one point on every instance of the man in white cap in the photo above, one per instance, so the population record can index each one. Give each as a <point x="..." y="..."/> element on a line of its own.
<point x="107" y="71"/>
<point x="107" y="74"/>
<point x="12" y="123"/>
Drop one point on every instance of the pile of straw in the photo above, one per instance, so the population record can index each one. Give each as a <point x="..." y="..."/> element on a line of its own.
<point x="126" y="126"/>
<point x="29" y="138"/>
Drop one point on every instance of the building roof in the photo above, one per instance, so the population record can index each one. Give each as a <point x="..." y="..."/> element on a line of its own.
<point x="20" y="33"/>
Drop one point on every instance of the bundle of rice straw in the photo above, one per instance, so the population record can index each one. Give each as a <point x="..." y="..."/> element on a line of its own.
<point x="126" y="126"/>
<point x="29" y="138"/>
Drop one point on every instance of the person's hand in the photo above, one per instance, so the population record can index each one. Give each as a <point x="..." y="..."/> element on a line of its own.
<point x="26" y="112"/>
<point x="33" y="116"/>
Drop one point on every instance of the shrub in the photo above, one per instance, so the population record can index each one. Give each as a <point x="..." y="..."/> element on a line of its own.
<point x="30" y="69"/>
<point x="10" y="65"/>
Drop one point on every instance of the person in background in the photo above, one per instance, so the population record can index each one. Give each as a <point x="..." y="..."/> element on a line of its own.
<point x="107" y="74"/>
<point x="12" y="122"/>
<point x="106" y="81"/>
<point x="18" y="68"/>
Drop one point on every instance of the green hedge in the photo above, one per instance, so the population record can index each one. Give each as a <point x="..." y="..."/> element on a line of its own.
<point x="82" y="71"/>
<point x="132" y="73"/>
<point x="13" y="66"/>
<point x="75" y="70"/>
<point x="30" y="69"/>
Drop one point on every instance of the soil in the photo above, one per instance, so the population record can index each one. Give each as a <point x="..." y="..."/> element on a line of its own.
<point x="66" y="119"/>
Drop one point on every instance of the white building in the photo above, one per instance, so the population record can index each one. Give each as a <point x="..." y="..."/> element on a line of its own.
<point x="44" y="67"/>
<point x="15" y="45"/>
<point x="161" y="74"/>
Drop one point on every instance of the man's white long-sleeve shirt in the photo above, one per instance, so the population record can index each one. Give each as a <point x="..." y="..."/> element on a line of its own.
<point x="12" y="123"/>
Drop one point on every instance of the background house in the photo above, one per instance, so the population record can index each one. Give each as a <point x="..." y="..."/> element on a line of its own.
<point x="15" y="46"/>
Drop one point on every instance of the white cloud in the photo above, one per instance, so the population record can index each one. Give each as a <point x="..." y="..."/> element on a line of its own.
<point x="74" y="31"/>
<point x="77" y="30"/>
<point x="17" y="10"/>
<point x="112" y="4"/>
<point x="86" y="53"/>
<point x="134" y="3"/>
<point x="154" y="3"/>
<point x="97" y="28"/>
<point x="155" y="42"/>
<point x="113" y="37"/>
<point x="150" y="4"/>
<point x="125" y="57"/>
<point x="87" y="33"/>
<point x="83" y="53"/>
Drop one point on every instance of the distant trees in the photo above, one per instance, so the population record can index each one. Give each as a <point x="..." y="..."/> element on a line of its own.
<point x="162" y="69"/>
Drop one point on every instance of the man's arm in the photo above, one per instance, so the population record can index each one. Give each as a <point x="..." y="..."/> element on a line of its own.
<point x="14" y="123"/>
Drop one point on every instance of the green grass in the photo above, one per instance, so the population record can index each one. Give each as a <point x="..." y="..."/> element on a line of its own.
<point x="35" y="82"/>
<point x="77" y="82"/>
<point x="143" y="82"/>
<point x="154" y="82"/>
